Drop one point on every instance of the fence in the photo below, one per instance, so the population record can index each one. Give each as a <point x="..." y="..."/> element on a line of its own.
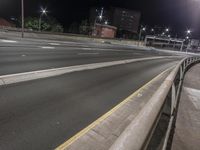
<point x="152" y="127"/>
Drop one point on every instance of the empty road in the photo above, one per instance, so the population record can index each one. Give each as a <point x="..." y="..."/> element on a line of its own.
<point x="42" y="114"/>
<point x="18" y="56"/>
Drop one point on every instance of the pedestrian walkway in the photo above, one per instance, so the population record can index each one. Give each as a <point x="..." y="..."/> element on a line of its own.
<point x="187" y="132"/>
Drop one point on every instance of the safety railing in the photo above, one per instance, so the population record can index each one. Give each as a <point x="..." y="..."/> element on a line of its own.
<point x="152" y="127"/>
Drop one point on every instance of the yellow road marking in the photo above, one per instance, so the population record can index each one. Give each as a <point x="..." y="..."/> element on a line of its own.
<point x="98" y="121"/>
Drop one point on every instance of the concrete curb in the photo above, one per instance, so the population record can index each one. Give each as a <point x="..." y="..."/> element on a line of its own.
<point x="27" y="76"/>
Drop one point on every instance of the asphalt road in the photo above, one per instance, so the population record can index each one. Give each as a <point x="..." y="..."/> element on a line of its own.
<point x="42" y="114"/>
<point x="17" y="55"/>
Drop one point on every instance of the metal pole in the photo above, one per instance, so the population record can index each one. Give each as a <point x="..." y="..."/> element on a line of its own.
<point x="94" y="28"/>
<point x="140" y="34"/>
<point x="40" y="20"/>
<point x="22" y="11"/>
<point x="182" y="46"/>
<point x="102" y="11"/>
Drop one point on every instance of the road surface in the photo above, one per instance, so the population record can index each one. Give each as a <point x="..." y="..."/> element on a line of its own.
<point x="18" y="56"/>
<point x="42" y="114"/>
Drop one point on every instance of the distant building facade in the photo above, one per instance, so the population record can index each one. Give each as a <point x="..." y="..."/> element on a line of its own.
<point x="126" y="21"/>
<point x="104" y="31"/>
<point x="5" y="23"/>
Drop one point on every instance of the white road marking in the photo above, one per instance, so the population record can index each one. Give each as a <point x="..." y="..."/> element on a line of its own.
<point x="47" y="47"/>
<point x="28" y="76"/>
<point x="85" y="48"/>
<point x="55" y="44"/>
<point x="8" y="41"/>
<point x="23" y="55"/>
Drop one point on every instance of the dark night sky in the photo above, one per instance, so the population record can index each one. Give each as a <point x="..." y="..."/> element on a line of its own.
<point x="176" y="14"/>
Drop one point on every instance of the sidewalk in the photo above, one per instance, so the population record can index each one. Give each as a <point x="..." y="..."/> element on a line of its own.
<point x="187" y="132"/>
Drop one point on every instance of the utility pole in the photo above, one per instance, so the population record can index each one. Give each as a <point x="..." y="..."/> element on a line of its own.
<point x="140" y="34"/>
<point x="43" y="12"/>
<point x="22" y="11"/>
<point x="40" y="20"/>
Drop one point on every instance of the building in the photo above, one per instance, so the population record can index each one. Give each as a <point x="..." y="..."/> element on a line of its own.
<point x="104" y="31"/>
<point x="126" y="21"/>
<point x="5" y="23"/>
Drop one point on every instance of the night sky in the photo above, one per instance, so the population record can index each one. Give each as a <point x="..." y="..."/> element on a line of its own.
<point x="178" y="15"/>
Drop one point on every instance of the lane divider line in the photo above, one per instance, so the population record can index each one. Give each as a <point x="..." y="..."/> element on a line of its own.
<point x="54" y="44"/>
<point x="47" y="47"/>
<point x="70" y="141"/>
<point x="28" y="76"/>
<point x="8" y="41"/>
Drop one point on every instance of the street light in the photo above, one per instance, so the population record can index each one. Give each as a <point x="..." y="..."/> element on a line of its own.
<point x="167" y="29"/>
<point x="22" y="11"/>
<point x="106" y="22"/>
<point x="142" y="29"/>
<point x="188" y="31"/>
<point x="43" y="12"/>
<point x="98" y="17"/>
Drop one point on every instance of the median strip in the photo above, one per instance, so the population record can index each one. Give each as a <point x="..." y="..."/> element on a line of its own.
<point x="28" y="76"/>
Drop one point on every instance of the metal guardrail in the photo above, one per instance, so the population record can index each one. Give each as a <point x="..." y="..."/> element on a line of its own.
<point x="140" y="133"/>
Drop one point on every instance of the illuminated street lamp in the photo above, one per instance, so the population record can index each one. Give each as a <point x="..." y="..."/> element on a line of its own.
<point x="43" y="12"/>
<point x="106" y="22"/>
<point x="142" y="29"/>
<point x="101" y="14"/>
<point x="188" y="31"/>
<point x="99" y="17"/>
<point x="167" y="29"/>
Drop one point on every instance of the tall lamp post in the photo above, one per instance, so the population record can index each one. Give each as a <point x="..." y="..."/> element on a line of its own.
<point x="43" y="12"/>
<point x="22" y="11"/>
<point x="188" y="33"/>
<point x="100" y="17"/>
<point x="142" y="29"/>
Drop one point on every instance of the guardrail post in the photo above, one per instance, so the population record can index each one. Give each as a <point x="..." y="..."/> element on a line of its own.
<point x="173" y="99"/>
<point x="184" y="66"/>
<point x="181" y="72"/>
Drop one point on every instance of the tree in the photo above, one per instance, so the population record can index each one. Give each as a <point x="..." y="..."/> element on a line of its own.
<point x="84" y="27"/>
<point x="32" y="23"/>
<point x="73" y="28"/>
<point x="47" y="24"/>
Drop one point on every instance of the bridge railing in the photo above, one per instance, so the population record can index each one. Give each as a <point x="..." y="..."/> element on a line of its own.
<point x="146" y="130"/>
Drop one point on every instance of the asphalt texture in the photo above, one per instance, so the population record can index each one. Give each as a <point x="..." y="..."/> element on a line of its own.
<point x="42" y="114"/>
<point x="17" y="55"/>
